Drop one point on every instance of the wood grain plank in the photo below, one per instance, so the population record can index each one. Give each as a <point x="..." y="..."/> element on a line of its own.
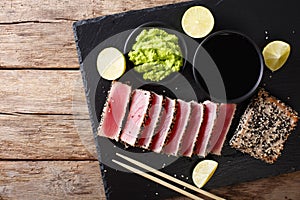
<point x="51" y="10"/>
<point x="44" y="115"/>
<point x="45" y="137"/>
<point x="51" y="180"/>
<point x="39" y="34"/>
<point x="38" y="45"/>
<point x="38" y="91"/>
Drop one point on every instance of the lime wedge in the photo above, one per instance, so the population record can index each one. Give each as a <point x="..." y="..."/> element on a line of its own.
<point x="276" y="54"/>
<point x="111" y="63"/>
<point x="203" y="172"/>
<point x="197" y="22"/>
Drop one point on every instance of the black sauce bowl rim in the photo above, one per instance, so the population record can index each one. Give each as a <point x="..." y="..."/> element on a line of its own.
<point x="261" y="61"/>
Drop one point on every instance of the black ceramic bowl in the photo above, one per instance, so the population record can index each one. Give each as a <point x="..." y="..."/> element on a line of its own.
<point x="228" y="65"/>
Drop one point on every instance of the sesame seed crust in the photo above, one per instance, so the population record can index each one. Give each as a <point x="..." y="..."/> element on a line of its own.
<point x="264" y="127"/>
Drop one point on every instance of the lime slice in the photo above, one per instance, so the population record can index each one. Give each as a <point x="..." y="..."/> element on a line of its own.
<point x="276" y="54"/>
<point x="197" y="22"/>
<point x="203" y="172"/>
<point x="111" y="63"/>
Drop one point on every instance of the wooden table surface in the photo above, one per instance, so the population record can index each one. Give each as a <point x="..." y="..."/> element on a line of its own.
<point x="46" y="144"/>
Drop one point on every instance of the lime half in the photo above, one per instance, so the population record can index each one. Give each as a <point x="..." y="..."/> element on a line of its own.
<point x="276" y="54"/>
<point x="111" y="63"/>
<point x="197" y="21"/>
<point x="203" y="172"/>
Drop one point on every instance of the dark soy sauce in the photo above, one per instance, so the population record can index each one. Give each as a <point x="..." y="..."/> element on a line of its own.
<point x="237" y="60"/>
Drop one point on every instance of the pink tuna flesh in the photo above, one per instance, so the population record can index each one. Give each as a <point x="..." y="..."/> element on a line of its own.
<point x="229" y="110"/>
<point x="192" y="130"/>
<point x="210" y="114"/>
<point x="137" y="112"/>
<point x="182" y="116"/>
<point x="114" y="111"/>
<point x="165" y="125"/>
<point x="220" y="124"/>
<point x="216" y="132"/>
<point x="151" y="121"/>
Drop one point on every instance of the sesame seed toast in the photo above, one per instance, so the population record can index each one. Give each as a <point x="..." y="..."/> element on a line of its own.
<point x="264" y="127"/>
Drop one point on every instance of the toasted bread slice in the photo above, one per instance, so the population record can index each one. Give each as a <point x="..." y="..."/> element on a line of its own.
<point x="264" y="127"/>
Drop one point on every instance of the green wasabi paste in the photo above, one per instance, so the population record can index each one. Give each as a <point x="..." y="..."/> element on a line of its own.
<point x="156" y="54"/>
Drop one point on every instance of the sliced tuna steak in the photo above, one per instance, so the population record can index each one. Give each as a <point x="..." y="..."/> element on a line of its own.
<point x="114" y="111"/>
<point x="217" y="130"/>
<point x="183" y="112"/>
<point x="165" y="125"/>
<point x="151" y="121"/>
<point x="138" y="109"/>
<point x="228" y="110"/>
<point x="210" y="115"/>
<point x="192" y="129"/>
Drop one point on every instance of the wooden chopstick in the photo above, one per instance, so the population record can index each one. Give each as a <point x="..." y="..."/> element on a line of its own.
<point x="170" y="178"/>
<point x="157" y="180"/>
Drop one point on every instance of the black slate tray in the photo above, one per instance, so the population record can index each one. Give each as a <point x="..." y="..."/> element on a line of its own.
<point x="263" y="21"/>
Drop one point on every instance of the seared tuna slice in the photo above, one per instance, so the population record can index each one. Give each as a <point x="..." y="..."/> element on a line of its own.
<point x="114" y="111"/>
<point x="151" y="121"/>
<point x="192" y="130"/>
<point x="210" y="115"/>
<point x="222" y="124"/>
<point x="138" y="109"/>
<point x="183" y="112"/>
<point x="165" y="125"/>
<point x="226" y="113"/>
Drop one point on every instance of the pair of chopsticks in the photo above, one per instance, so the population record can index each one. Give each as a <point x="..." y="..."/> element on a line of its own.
<point x="166" y="176"/>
